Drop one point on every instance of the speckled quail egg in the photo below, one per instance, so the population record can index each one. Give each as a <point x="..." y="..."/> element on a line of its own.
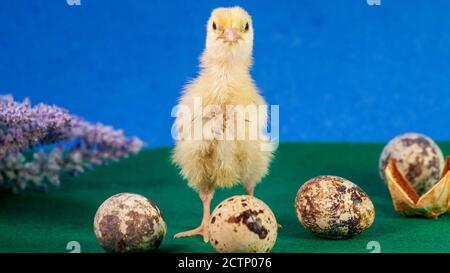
<point x="334" y="208"/>
<point x="129" y="222"/>
<point x="418" y="158"/>
<point x="242" y="224"/>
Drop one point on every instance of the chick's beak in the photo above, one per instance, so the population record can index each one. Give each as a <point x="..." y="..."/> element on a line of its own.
<point x="230" y="35"/>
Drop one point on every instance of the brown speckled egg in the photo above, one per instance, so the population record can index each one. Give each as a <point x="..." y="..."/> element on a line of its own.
<point x="333" y="207"/>
<point x="129" y="222"/>
<point x="418" y="158"/>
<point x="243" y="224"/>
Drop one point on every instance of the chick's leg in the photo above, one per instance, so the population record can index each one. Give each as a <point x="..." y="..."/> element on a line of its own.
<point x="250" y="189"/>
<point x="202" y="230"/>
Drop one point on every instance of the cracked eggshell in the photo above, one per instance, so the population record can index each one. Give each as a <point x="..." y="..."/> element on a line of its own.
<point x="129" y="222"/>
<point x="334" y="208"/>
<point x="243" y="224"/>
<point x="418" y="158"/>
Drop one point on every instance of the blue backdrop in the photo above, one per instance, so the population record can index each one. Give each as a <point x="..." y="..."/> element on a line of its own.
<point x="340" y="70"/>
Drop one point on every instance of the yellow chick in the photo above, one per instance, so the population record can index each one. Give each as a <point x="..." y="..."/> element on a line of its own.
<point x="224" y="82"/>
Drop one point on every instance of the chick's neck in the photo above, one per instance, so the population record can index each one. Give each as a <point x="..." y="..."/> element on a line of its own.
<point x="226" y="67"/>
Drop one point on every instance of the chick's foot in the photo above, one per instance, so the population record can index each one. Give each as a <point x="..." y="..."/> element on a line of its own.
<point x="200" y="231"/>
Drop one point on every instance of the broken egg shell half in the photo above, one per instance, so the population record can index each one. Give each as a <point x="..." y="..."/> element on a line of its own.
<point x="406" y="201"/>
<point x="333" y="207"/>
<point x="418" y="158"/>
<point x="129" y="222"/>
<point x="242" y="224"/>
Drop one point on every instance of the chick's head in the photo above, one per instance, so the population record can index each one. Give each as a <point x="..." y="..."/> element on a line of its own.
<point x="229" y="35"/>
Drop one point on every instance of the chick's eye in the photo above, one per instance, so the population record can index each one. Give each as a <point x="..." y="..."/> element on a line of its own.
<point x="247" y="27"/>
<point x="214" y="26"/>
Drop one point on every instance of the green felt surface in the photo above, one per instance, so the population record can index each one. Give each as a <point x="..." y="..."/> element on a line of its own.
<point x="46" y="222"/>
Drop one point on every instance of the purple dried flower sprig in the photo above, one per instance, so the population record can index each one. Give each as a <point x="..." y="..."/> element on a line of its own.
<point x="18" y="173"/>
<point x="23" y="126"/>
<point x="82" y="144"/>
<point x="96" y="144"/>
